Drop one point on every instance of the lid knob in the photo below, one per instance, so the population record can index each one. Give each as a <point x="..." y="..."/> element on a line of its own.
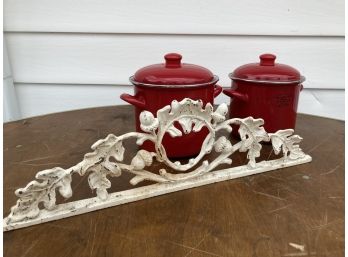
<point x="173" y="60"/>
<point x="267" y="59"/>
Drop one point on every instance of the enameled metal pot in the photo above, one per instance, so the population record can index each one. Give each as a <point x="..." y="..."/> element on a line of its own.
<point x="157" y="85"/>
<point x="266" y="90"/>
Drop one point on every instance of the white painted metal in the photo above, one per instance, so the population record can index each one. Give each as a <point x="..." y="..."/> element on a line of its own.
<point x="107" y="160"/>
<point x="111" y="59"/>
<point x="63" y="97"/>
<point x="78" y="207"/>
<point x="247" y="17"/>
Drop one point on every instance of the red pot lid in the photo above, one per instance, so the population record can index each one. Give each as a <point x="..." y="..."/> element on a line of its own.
<point x="173" y="72"/>
<point x="267" y="71"/>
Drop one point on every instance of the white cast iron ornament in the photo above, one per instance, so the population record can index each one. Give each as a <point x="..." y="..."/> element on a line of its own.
<point x="107" y="160"/>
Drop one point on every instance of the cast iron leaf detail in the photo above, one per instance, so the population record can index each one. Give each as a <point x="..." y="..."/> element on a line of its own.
<point x="148" y="123"/>
<point x="186" y="124"/>
<point x="50" y="200"/>
<point x="100" y="167"/>
<point x="44" y="191"/>
<point x="253" y="153"/>
<point x="111" y="145"/>
<point x="287" y="142"/>
<point x="185" y="112"/>
<point x="107" y="157"/>
<point x="105" y="148"/>
<point x="51" y="180"/>
<point x="278" y="139"/>
<point x="97" y="180"/>
<point x="252" y="133"/>
<point x="198" y="125"/>
<point x="173" y="131"/>
<point x="117" y="151"/>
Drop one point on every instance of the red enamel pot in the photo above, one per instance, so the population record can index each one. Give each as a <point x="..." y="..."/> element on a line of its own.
<point x="266" y="90"/>
<point x="157" y="85"/>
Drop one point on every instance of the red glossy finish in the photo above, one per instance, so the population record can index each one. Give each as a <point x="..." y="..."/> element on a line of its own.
<point x="173" y="72"/>
<point x="266" y="90"/>
<point x="267" y="70"/>
<point x="156" y="86"/>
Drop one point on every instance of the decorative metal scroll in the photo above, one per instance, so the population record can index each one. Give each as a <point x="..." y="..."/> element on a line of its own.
<point x="108" y="156"/>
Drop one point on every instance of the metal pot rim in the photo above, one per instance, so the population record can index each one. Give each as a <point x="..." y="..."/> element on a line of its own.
<point x="136" y="83"/>
<point x="299" y="81"/>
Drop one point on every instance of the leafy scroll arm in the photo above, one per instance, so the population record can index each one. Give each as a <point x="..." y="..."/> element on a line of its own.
<point x="97" y="163"/>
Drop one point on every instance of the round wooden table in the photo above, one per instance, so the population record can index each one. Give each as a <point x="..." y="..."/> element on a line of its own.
<point x="297" y="211"/>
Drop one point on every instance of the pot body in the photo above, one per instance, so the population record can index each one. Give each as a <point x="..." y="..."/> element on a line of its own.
<point x="153" y="98"/>
<point x="276" y="104"/>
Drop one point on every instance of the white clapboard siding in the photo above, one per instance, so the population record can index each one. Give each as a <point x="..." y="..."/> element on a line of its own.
<point x="11" y="109"/>
<point x="77" y="54"/>
<point x="10" y="104"/>
<point x="112" y="58"/>
<point x="38" y="99"/>
<point x="245" y="17"/>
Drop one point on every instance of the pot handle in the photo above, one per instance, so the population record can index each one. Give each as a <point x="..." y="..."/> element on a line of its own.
<point x="217" y="90"/>
<point x="233" y="93"/>
<point x="140" y="103"/>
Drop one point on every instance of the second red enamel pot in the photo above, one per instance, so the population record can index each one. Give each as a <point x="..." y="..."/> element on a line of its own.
<point x="157" y="85"/>
<point x="266" y="90"/>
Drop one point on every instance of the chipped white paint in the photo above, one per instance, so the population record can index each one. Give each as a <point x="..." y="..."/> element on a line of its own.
<point x="107" y="160"/>
<point x="298" y="247"/>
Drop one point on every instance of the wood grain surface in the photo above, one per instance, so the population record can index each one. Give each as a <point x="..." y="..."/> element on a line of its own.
<point x="296" y="211"/>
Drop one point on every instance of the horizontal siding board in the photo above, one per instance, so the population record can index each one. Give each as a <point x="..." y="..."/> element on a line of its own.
<point x="6" y="72"/>
<point x="112" y="58"/>
<point x="10" y="104"/>
<point x="38" y="99"/>
<point x="11" y="109"/>
<point x="247" y="17"/>
<point x="325" y="103"/>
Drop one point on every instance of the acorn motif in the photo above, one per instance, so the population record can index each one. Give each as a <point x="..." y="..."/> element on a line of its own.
<point x="148" y="122"/>
<point x="146" y="156"/>
<point x="220" y="114"/>
<point x="222" y="145"/>
<point x="142" y="159"/>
